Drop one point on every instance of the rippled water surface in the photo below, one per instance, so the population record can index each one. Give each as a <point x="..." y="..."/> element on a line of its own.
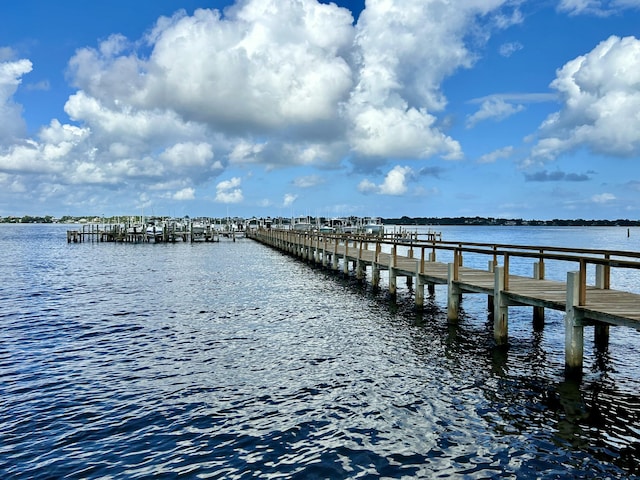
<point x="231" y="360"/>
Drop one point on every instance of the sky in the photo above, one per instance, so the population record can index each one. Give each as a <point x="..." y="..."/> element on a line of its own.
<point x="422" y="108"/>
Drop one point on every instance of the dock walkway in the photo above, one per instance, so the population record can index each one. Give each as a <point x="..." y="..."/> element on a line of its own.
<point x="583" y="304"/>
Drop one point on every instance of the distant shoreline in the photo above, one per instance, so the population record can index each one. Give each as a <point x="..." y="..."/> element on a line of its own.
<point x="402" y="221"/>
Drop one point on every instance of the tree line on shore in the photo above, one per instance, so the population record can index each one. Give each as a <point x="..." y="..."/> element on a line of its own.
<point x="577" y="222"/>
<point x="405" y="220"/>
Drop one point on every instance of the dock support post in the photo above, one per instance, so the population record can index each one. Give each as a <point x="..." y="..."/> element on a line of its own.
<point x="393" y="286"/>
<point x="431" y="287"/>
<point x="490" y="299"/>
<point x="601" y="330"/>
<point x="324" y="251"/>
<point x="538" y="312"/>
<point x="500" y="309"/>
<point x="454" y="295"/>
<point x="345" y="265"/>
<point x="375" y="275"/>
<point x="359" y="263"/>
<point x="334" y="257"/>
<point x="359" y="270"/>
<point x="419" y="289"/>
<point x="601" y="337"/>
<point x="375" y="267"/>
<point x="574" y="330"/>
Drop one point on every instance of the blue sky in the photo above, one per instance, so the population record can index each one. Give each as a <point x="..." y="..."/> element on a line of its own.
<point x="499" y="108"/>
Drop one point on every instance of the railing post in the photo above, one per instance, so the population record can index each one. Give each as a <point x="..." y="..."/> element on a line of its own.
<point x="456" y="263"/>
<point x="582" y="292"/>
<point x="506" y="272"/>
<point x="603" y="274"/>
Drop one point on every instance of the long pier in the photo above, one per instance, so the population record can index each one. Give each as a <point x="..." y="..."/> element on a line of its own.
<point x="595" y="305"/>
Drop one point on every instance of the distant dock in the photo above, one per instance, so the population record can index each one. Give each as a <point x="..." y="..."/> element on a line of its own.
<point x="584" y="305"/>
<point x="157" y="232"/>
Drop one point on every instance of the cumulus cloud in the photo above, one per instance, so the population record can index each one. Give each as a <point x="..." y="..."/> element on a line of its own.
<point x="406" y="49"/>
<point x="496" y="155"/>
<point x="266" y="65"/>
<point x="509" y="48"/>
<point x="596" y="7"/>
<point x="603" y="198"/>
<point x="188" y="154"/>
<point x="229" y="191"/>
<point x="601" y="101"/>
<point x="308" y="181"/>
<point x="266" y="82"/>
<point x="395" y="182"/>
<point x="288" y="199"/>
<point x="185" y="194"/>
<point x="493" y="108"/>
<point x="501" y="106"/>
<point x="12" y="125"/>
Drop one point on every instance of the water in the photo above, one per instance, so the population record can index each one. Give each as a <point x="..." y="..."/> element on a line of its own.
<point x="230" y="360"/>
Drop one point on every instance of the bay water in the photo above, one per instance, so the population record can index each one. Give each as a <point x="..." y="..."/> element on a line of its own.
<point x="233" y="360"/>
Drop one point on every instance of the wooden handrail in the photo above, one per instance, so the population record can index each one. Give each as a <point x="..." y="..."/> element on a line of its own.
<point x="542" y="253"/>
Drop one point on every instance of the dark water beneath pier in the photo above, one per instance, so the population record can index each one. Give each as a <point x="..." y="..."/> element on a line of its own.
<point x="230" y="360"/>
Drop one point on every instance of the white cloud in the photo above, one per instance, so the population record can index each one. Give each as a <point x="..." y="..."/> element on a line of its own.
<point x="188" y="154"/>
<point x="509" y="48"/>
<point x="493" y="108"/>
<point x="308" y="181"/>
<point x="185" y="194"/>
<point x="603" y="198"/>
<point x="389" y="131"/>
<point x="12" y="125"/>
<point x="267" y="64"/>
<point x="228" y="191"/>
<point x="406" y="48"/>
<point x="289" y="199"/>
<point x="496" y="155"/>
<point x="596" y="7"/>
<point x="395" y="182"/>
<point x="367" y="186"/>
<point x="601" y="102"/>
<point x="269" y="82"/>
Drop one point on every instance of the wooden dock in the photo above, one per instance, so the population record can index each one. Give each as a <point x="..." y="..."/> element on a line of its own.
<point x="122" y="233"/>
<point x="584" y="305"/>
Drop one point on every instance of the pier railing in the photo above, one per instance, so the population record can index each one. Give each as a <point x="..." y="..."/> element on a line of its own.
<point x="605" y="260"/>
<point x="416" y="259"/>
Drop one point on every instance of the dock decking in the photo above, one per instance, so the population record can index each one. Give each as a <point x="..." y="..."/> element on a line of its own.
<point x="583" y="304"/>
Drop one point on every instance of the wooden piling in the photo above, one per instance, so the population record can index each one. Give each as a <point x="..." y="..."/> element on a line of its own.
<point x="573" y="328"/>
